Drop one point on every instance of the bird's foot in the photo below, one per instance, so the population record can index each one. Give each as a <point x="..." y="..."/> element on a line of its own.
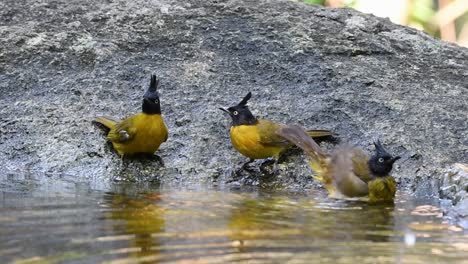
<point x="246" y="166"/>
<point x="156" y="158"/>
<point x="270" y="167"/>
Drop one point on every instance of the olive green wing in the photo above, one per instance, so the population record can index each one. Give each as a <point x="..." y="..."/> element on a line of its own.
<point x="123" y="132"/>
<point x="268" y="137"/>
<point x="342" y="176"/>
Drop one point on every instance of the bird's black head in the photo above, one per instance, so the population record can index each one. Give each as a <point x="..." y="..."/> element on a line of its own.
<point x="381" y="163"/>
<point x="240" y="113"/>
<point x="151" y="98"/>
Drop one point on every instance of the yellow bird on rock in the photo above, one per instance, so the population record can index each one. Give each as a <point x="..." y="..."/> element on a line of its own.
<point x="256" y="138"/>
<point x="140" y="133"/>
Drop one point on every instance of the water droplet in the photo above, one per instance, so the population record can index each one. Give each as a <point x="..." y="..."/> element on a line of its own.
<point x="410" y="239"/>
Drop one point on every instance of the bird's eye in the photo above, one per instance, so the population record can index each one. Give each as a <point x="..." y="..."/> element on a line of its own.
<point x="381" y="160"/>
<point x="156" y="101"/>
<point x="235" y="113"/>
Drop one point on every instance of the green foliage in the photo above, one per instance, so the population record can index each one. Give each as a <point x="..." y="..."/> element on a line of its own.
<point x="461" y="22"/>
<point x="422" y="12"/>
<point x="315" y="2"/>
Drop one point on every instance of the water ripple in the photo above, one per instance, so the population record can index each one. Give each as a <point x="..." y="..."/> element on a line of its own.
<point x="218" y="227"/>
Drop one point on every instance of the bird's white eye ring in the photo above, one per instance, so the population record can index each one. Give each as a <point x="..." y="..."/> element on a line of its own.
<point x="156" y="101"/>
<point x="381" y="160"/>
<point x="235" y="113"/>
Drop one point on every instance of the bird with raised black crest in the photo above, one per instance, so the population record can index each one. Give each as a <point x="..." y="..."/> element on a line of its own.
<point x="255" y="138"/>
<point x="140" y="133"/>
<point x="348" y="172"/>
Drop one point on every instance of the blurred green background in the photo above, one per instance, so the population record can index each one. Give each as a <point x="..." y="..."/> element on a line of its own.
<point x="446" y="19"/>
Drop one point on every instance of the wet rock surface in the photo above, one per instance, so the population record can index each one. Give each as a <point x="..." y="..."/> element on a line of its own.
<point x="64" y="62"/>
<point x="454" y="187"/>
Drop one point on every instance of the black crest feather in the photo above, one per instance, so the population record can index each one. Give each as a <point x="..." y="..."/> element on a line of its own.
<point x="379" y="149"/>
<point x="153" y="83"/>
<point x="245" y="99"/>
<point x="240" y="113"/>
<point x="151" y="103"/>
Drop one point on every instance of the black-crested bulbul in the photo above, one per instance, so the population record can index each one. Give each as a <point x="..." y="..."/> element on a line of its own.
<point x="140" y="133"/>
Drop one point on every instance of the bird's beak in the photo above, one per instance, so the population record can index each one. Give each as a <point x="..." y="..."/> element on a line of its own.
<point x="395" y="159"/>
<point x="229" y="113"/>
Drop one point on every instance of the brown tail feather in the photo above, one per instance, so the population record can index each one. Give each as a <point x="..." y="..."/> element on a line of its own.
<point x="301" y="138"/>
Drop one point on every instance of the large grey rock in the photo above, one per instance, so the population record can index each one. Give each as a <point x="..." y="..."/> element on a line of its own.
<point x="64" y="62"/>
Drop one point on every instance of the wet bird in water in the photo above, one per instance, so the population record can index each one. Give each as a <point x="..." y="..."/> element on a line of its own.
<point x="256" y="138"/>
<point x="140" y="133"/>
<point x="348" y="172"/>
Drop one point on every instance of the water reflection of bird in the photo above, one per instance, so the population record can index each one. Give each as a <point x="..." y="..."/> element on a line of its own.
<point x="255" y="138"/>
<point x="348" y="172"/>
<point x="265" y="224"/>
<point x="142" y="217"/>
<point x="265" y="219"/>
<point x="140" y="133"/>
<point x="352" y="221"/>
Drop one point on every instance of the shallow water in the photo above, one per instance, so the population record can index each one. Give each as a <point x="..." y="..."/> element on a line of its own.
<point x="56" y="220"/>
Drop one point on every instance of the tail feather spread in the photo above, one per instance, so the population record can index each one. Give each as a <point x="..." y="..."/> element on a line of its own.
<point x="301" y="138"/>
<point x="106" y="121"/>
